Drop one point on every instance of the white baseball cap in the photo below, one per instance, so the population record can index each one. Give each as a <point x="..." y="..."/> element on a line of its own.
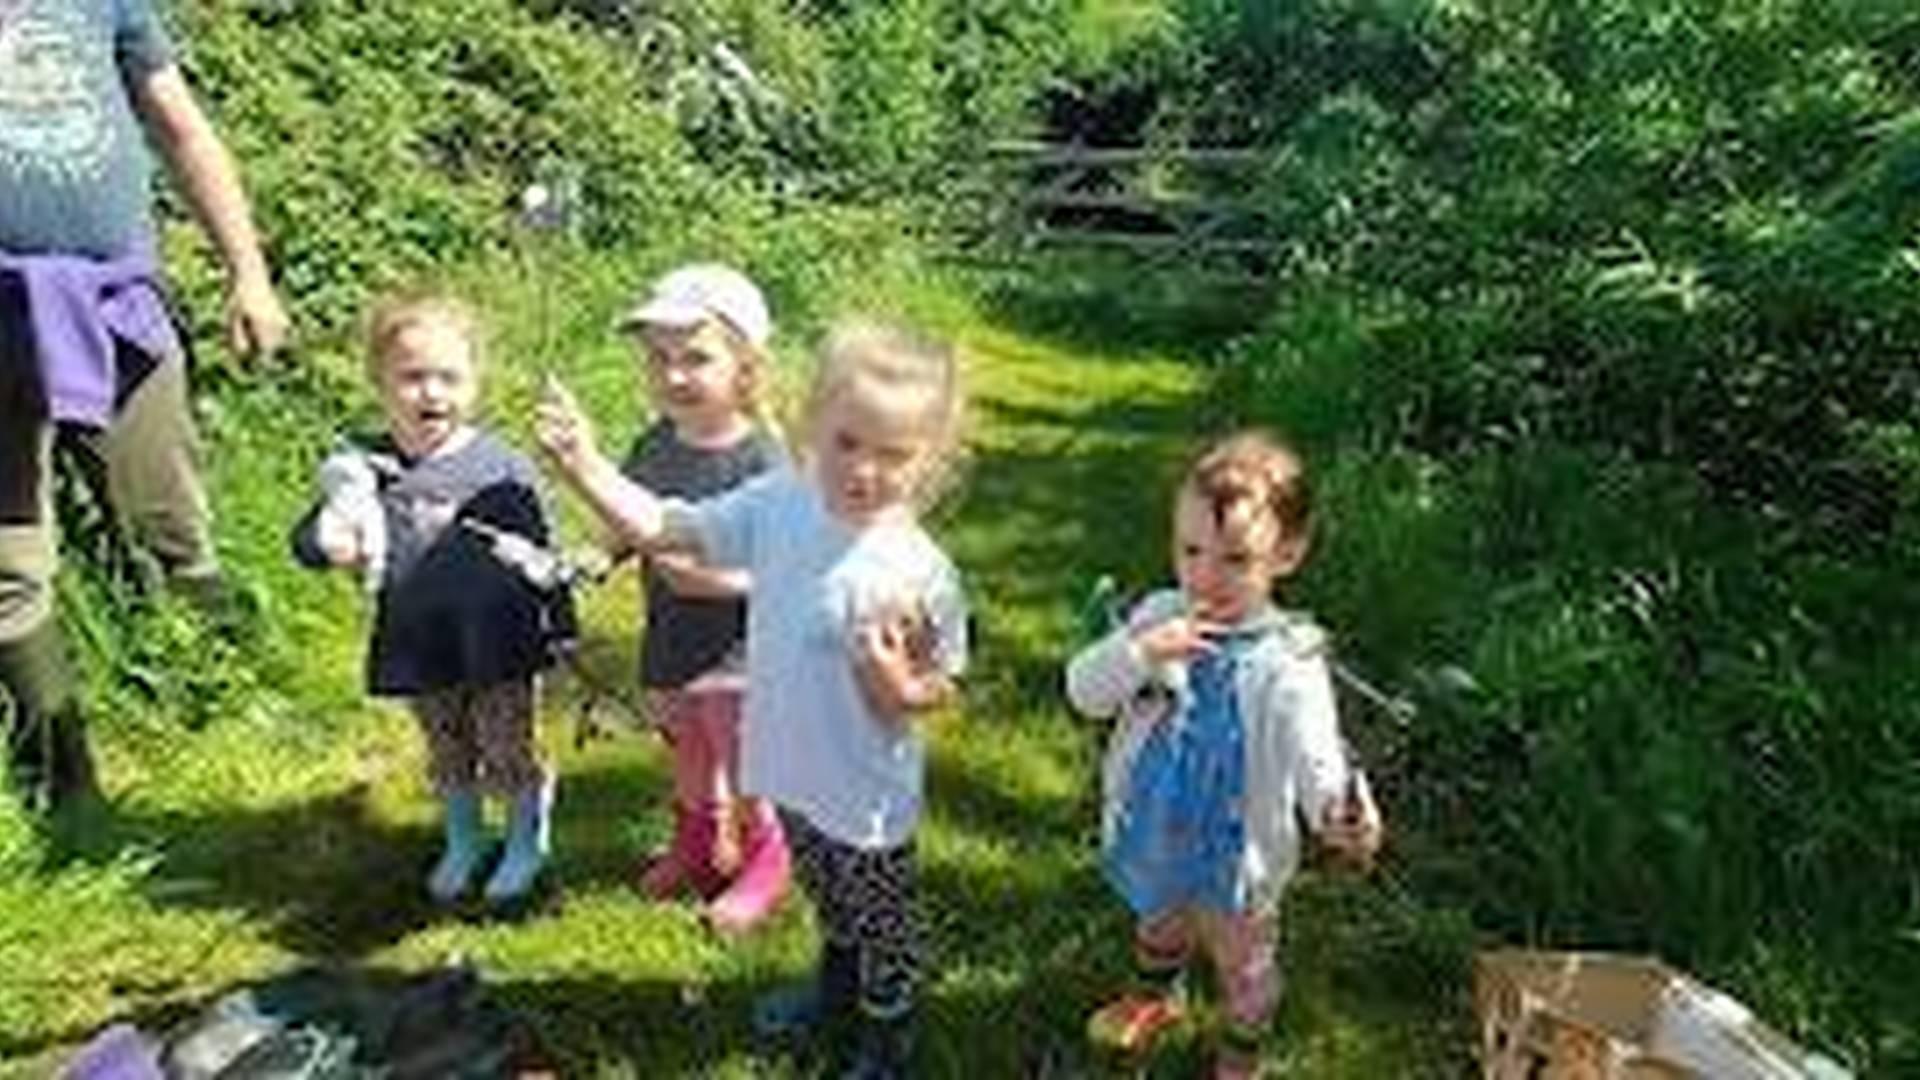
<point x="690" y="294"/>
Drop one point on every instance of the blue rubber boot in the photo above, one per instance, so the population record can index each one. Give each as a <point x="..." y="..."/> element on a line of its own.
<point x="465" y="846"/>
<point x="529" y="838"/>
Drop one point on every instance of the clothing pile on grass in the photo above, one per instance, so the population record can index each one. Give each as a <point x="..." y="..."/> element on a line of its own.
<point x="329" y="1024"/>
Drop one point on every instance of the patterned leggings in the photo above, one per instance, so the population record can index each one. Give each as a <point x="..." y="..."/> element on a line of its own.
<point x="481" y="737"/>
<point x="865" y="901"/>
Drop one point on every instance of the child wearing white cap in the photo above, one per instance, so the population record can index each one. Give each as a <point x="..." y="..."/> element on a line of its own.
<point x="700" y="334"/>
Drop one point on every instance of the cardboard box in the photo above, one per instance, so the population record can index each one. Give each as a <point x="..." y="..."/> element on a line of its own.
<point x="1598" y="1016"/>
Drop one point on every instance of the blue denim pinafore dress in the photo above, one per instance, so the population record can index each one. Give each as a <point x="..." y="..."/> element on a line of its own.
<point x="1181" y="826"/>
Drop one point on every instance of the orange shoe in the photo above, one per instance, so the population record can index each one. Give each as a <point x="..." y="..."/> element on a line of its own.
<point x="1130" y="1024"/>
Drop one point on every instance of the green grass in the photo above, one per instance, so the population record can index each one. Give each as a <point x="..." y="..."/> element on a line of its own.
<point x="266" y="815"/>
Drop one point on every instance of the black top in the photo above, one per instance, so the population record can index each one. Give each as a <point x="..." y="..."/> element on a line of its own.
<point x="451" y="613"/>
<point x="686" y="636"/>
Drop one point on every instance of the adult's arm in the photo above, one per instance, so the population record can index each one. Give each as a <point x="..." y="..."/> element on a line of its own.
<point x="256" y="320"/>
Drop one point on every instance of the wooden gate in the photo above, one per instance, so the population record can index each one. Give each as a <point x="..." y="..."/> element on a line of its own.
<point x="1194" y="207"/>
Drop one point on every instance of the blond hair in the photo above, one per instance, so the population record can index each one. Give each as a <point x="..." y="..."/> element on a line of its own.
<point x="1256" y="467"/>
<point x="399" y="312"/>
<point x="892" y="356"/>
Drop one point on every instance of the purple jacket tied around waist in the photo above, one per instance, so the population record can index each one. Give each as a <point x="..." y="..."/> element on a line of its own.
<point x="77" y="309"/>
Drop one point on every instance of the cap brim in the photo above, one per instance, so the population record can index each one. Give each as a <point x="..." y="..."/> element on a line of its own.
<point x="662" y="312"/>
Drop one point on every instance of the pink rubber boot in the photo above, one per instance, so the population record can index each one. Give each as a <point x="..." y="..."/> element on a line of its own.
<point x="688" y="860"/>
<point x="765" y="868"/>
<point x="669" y="870"/>
<point x="704" y="874"/>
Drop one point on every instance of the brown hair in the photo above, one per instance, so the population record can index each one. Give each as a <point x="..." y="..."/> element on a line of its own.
<point x="399" y="311"/>
<point x="897" y="357"/>
<point x="1255" y="466"/>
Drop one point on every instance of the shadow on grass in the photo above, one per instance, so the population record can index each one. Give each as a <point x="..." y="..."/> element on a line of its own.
<point x="328" y="878"/>
<point x="332" y="880"/>
<point x="1100" y="304"/>
<point x="1039" y="528"/>
<point x="1107" y="418"/>
<point x="662" y="1028"/>
<point x="594" y="1026"/>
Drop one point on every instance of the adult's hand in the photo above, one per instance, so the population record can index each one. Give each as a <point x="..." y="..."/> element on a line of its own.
<point x="257" y="322"/>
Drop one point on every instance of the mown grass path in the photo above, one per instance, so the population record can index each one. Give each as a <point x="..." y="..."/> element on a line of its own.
<point x="264" y="842"/>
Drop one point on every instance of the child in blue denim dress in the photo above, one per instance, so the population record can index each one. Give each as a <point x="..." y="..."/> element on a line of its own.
<point x="1226" y="734"/>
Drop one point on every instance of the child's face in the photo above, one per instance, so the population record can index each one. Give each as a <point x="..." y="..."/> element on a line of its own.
<point x="693" y="374"/>
<point x="427" y="384"/>
<point x="1227" y="565"/>
<point x="871" y="451"/>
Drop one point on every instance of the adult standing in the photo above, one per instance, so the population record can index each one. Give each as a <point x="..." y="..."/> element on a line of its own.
<point x="85" y="333"/>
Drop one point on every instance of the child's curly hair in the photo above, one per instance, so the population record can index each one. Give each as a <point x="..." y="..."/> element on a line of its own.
<point x="1259" y="467"/>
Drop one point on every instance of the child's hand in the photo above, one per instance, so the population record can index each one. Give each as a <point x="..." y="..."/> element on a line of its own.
<point x="563" y="429"/>
<point x="1174" y="640"/>
<point x="892" y="655"/>
<point x="339" y="540"/>
<point x="1351" y="829"/>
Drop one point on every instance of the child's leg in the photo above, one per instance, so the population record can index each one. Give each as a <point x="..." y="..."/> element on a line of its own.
<point x="708" y="716"/>
<point x="765" y="865"/>
<point x="665" y="870"/>
<point x="1130" y="1023"/>
<point x="451" y="763"/>
<point x="29" y="550"/>
<point x="880" y="887"/>
<point x="689" y="859"/>
<point x="818" y="863"/>
<point x="1241" y="946"/>
<point x="502" y="719"/>
<point x="511" y="767"/>
<point x="452" y="758"/>
<point x="718" y="718"/>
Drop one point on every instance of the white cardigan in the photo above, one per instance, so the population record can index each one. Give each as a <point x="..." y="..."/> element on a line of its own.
<point x="1296" y="764"/>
